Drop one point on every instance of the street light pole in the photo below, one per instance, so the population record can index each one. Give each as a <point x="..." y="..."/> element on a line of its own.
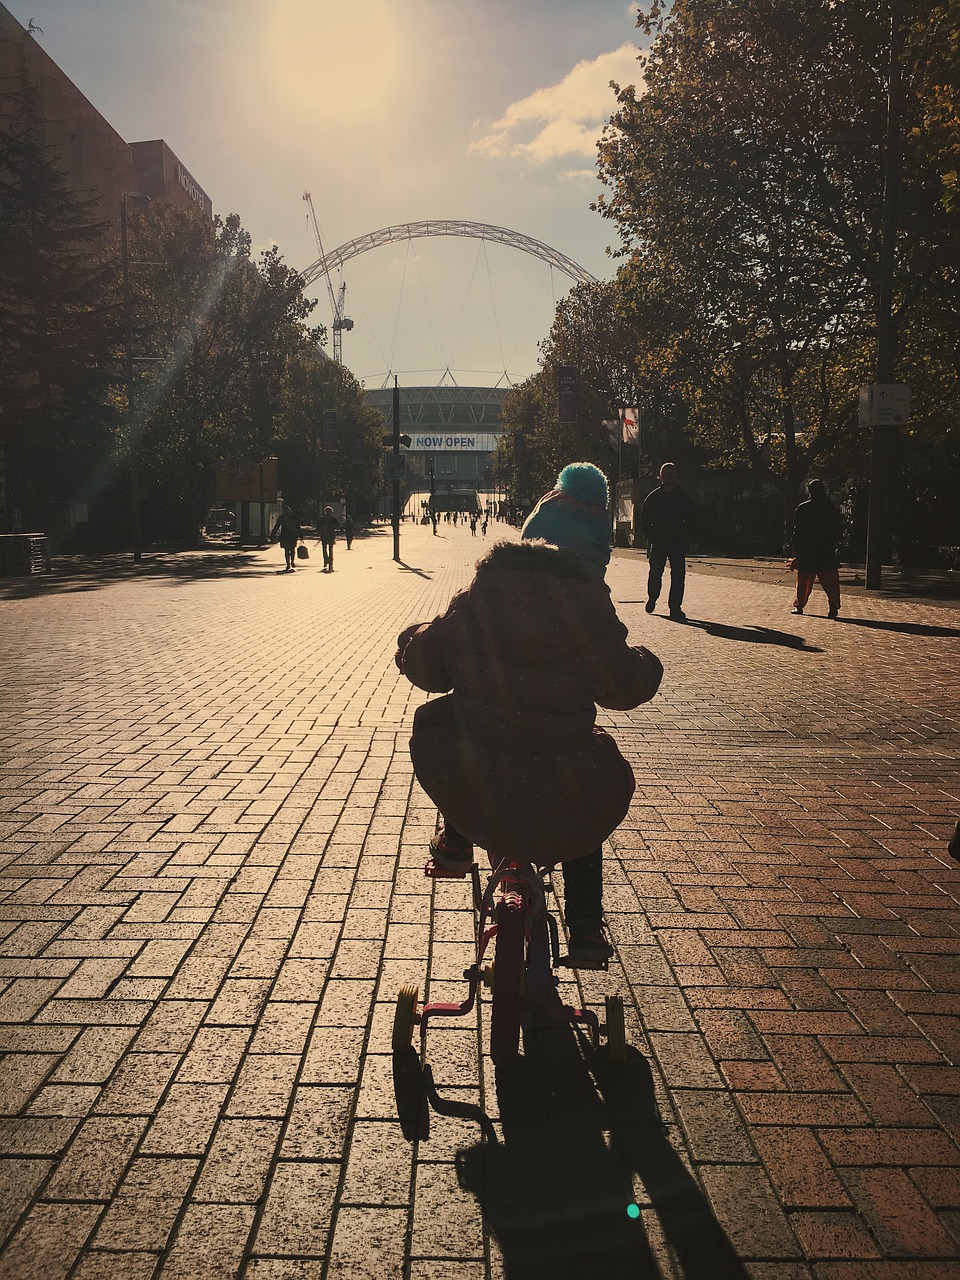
<point x="886" y="337"/>
<point x="128" y="374"/>
<point x="396" y="468"/>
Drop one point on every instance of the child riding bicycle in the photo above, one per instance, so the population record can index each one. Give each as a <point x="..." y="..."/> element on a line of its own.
<point x="512" y="756"/>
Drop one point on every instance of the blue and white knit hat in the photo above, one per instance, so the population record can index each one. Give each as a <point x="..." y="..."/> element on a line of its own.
<point x="574" y="514"/>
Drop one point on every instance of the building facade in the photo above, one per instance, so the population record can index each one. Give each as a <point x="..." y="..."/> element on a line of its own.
<point x="94" y="158"/>
<point x="453" y="434"/>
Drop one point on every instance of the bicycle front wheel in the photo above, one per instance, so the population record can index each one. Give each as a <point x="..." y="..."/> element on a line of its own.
<point x="507" y="980"/>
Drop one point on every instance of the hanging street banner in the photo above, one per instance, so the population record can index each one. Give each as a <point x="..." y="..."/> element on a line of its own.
<point x="630" y="426"/>
<point x="567" y="388"/>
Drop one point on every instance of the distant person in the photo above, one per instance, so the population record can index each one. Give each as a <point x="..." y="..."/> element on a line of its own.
<point x="288" y="533"/>
<point x="328" y="526"/>
<point x="473" y="525"/>
<point x="817" y="529"/>
<point x="348" y="530"/>
<point x="666" y="517"/>
<point x="483" y="527"/>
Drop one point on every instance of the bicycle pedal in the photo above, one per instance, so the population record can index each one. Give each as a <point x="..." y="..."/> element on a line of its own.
<point x="596" y="966"/>
<point x="434" y="872"/>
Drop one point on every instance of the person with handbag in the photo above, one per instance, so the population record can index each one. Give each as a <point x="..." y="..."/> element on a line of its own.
<point x="288" y="532"/>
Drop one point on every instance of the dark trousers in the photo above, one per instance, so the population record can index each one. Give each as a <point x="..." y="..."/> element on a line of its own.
<point x="657" y="556"/>
<point x="582" y="881"/>
<point x="327" y="548"/>
<point x="583" y="887"/>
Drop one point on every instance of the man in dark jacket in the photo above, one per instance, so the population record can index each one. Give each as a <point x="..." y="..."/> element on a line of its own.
<point x="666" y="518"/>
<point x="328" y="526"/>
<point x="817" y="528"/>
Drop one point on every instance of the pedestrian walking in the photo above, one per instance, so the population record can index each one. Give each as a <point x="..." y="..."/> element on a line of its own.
<point x="473" y="526"/>
<point x="288" y="533"/>
<point x="817" y="529"/>
<point x="667" y="518"/>
<point x="348" y="531"/>
<point x="328" y="526"/>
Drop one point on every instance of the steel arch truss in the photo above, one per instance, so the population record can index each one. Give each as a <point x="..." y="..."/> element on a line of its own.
<point x="470" y="230"/>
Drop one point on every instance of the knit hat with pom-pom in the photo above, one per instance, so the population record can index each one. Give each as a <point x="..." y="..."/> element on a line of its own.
<point x="574" y="514"/>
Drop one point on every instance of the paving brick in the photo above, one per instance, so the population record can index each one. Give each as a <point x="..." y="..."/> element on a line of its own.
<point x="96" y="1159"/>
<point x="369" y="1246"/>
<point x="298" y="1209"/>
<point x="48" y="1242"/>
<point x="146" y="1206"/>
<point x="185" y="1120"/>
<point x="898" y="1216"/>
<point x="209" y="1243"/>
<point x="748" y="1211"/>
<point x="318" y="1122"/>
<point x="799" y="1169"/>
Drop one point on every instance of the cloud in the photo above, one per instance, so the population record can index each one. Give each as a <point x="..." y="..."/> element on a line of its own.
<point x="565" y="118"/>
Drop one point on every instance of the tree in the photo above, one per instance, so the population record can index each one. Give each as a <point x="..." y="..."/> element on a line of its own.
<point x="746" y="186"/>
<point x="216" y="331"/>
<point x="587" y="334"/>
<point x="311" y="471"/>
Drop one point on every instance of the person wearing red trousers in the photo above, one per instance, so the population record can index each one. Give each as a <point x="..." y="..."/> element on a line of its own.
<point x="817" y="528"/>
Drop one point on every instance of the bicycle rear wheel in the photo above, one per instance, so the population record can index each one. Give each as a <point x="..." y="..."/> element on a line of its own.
<point x="507" y="980"/>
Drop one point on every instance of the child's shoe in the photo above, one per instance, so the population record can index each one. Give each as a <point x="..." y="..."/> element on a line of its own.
<point x="453" y="855"/>
<point x="589" y="945"/>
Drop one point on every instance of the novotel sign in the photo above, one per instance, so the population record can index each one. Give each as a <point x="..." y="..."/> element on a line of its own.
<point x="196" y="194"/>
<point x="478" y="442"/>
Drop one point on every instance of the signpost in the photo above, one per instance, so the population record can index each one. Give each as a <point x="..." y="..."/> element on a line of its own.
<point x="884" y="404"/>
<point x="395" y="465"/>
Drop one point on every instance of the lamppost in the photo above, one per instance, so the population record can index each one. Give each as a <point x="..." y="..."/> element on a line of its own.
<point x="128" y="372"/>
<point x="886" y="336"/>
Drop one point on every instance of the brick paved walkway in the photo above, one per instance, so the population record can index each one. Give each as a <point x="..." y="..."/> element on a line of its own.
<point x="212" y="851"/>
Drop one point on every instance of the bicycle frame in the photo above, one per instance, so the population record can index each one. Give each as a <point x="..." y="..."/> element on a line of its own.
<point x="523" y="886"/>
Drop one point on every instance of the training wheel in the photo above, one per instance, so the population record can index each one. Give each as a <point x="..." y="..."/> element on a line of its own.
<point x="405" y="1017"/>
<point x="616" y="1032"/>
<point x="486" y="975"/>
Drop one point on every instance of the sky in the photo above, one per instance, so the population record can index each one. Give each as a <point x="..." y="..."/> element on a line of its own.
<point x="388" y="113"/>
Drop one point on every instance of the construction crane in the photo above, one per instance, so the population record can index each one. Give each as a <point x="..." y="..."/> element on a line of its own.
<point x="338" y="299"/>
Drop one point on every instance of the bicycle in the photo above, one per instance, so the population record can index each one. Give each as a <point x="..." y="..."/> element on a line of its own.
<point x="511" y="911"/>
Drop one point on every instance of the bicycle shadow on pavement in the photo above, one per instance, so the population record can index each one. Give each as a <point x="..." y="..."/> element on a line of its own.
<point x="754" y="635"/>
<point x="585" y="1168"/>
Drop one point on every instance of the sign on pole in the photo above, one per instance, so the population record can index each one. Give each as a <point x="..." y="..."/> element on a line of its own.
<point x="567" y="388"/>
<point x="884" y="404"/>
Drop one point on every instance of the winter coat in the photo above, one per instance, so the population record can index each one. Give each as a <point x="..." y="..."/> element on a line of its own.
<point x="817" y="530"/>
<point x="287" y="530"/>
<point x="512" y="756"/>
<point x="667" y="516"/>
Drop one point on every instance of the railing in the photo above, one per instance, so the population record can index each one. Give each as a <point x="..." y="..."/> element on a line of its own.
<point x="23" y="553"/>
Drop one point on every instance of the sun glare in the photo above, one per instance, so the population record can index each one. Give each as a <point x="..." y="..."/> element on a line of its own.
<point x="339" y="56"/>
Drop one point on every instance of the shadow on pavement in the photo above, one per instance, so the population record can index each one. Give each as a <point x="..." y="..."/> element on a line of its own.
<point x="754" y="635"/>
<point x="905" y="628"/>
<point x="409" y="568"/>
<point x="556" y="1191"/>
<point x="92" y="574"/>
